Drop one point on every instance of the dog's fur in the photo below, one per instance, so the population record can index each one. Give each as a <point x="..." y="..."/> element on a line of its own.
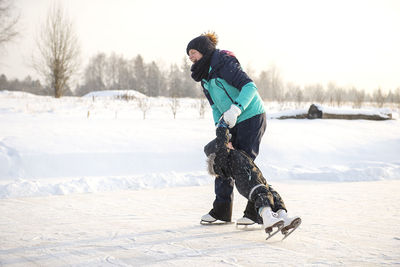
<point x="210" y="164"/>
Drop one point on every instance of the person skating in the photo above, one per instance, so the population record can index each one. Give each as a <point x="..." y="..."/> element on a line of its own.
<point x="233" y="95"/>
<point x="226" y="161"/>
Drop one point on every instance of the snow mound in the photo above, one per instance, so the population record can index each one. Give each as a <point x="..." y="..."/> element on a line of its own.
<point x="70" y="145"/>
<point x="300" y="113"/>
<point x="16" y="94"/>
<point x="40" y="188"/>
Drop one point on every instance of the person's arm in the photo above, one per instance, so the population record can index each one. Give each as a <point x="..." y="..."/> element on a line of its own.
<point x="232" y="73"/>
<point x="247" y="94"/>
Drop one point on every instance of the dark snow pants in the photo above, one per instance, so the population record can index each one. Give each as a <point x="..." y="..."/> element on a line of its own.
<point x="252" y="185"/>
<point x="246" y="136"/>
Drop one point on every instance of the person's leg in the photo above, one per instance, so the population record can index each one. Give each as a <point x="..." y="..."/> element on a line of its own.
<point x="222" y="206"/>
<point x="278" y="202"/>
<point x="250" y="213"/>
<point x="258" y="193"/>
<point x="280" y="209"/>
<point x="223" y="187"/>
<point x="246" y="136"/>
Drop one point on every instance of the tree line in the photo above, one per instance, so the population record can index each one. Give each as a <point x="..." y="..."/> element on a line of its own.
<point x="57" y="59"/>
<point x="115" y="72"/>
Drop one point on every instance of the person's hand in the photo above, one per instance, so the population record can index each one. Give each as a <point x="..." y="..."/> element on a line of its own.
<point x="230" y="116"/>
<point x="230" y="146"/>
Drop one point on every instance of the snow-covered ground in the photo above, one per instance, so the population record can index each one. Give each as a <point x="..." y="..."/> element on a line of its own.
<point x="146" y="187"/>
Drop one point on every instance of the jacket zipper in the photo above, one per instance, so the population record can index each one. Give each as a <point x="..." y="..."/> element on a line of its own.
<point x="223" y="87"/>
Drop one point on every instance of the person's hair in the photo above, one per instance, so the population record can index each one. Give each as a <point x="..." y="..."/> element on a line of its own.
<point x="212" y="36"/>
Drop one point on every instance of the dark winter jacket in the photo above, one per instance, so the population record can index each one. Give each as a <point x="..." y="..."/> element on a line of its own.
<point x="228" y="84"/>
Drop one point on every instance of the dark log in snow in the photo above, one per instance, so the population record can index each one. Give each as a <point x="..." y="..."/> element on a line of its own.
<point x="314" y="112"/>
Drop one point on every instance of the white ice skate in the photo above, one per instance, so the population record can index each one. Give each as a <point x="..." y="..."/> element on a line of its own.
<point x="291" y="223"/>
<point x="270" y="222"/>
<point x="207" y="218"/>
<point x="245" y="221"/>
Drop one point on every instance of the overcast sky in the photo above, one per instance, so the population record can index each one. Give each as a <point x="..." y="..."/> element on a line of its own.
<point x="354" y="43"/>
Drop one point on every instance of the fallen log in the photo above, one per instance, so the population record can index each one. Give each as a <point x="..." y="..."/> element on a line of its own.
<point x="316" y="111"/>
<point x="319" y="112"/>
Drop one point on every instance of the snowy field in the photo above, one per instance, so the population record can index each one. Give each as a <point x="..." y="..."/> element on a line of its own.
<point x="88" y="182"/>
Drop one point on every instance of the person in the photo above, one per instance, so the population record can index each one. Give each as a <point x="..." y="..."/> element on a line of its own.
<point x="233" y="96"/>
<point x="226" y="161"/>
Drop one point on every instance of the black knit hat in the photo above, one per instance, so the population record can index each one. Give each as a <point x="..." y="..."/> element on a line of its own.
<point x="202" y="44"/>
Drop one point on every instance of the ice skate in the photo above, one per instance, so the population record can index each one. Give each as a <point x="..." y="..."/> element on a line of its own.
<point x="290" y="223"/>
<point x="245" y="221"/>
<point x="270" y="222"/>
<point x="207" y="219"/>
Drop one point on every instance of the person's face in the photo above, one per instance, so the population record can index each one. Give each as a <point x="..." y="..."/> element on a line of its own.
<point x="194" y="55"/>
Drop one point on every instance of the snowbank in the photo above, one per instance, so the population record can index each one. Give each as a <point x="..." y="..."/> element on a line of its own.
<point x="36" y="188"/>
<point x="51" y="146"/>
<point x="16" y="94"/>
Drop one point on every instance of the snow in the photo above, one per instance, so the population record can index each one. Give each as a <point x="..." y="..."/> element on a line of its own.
<point x="115" y="94"/>
<point x="88" y="182"/>
<point x="289" y="113"/>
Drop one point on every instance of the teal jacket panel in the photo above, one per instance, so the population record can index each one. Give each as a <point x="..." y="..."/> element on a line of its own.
<point x="228" y="84"/>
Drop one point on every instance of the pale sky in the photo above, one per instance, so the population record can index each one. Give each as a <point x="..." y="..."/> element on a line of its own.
<point x="354" y="43"/>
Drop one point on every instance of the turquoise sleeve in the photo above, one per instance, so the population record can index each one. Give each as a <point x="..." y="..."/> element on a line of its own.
<point x="246" y="95"/>
<point x="216" y="114"/>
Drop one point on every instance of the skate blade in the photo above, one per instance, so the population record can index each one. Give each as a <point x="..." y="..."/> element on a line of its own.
<point x="245" y="224"/>
<point x="286" y="231"/>
<point x="270" y="232"/>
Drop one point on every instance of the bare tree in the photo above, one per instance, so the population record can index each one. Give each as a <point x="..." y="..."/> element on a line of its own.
<point x="202" y="103"/>
<point x="174" y="104"/>
<point x="319" y="93"/>
<point x="58" y="50"/>
<point x="397" y="97"/>
<point x="175" y="84"/>
<point x="264" y="85"/>
<point x="276" y="83"/>
<point x="139" y="70"/>
<point x="338" y="95"/>
<point x="357" y="96"/>
<point x="331" y="88"/>
<point x="379" y="97"/>
<point x="144" y="105"/>
<point x="8" y="22"/>
<point x="295" y="94"/>
<point x="95" y="72"/>
<point x="154" y="80"/>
